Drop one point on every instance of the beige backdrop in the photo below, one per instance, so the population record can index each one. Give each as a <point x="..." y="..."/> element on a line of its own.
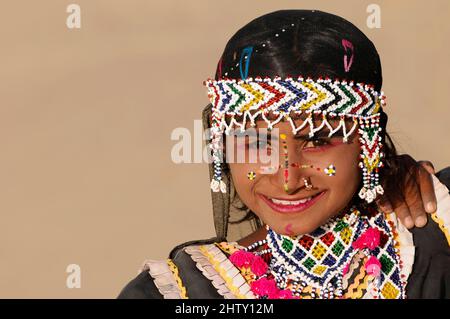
<point x="86" y="175"/>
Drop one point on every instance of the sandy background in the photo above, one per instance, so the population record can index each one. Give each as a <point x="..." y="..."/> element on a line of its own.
<point x="85" y="170"/>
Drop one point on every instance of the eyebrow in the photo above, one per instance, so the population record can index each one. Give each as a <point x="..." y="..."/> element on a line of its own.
<point x="256" y="133"/>
<point x="322" y="133"/>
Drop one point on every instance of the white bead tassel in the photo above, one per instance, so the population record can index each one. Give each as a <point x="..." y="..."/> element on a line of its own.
<point x="217" y="184"/>
<point x="371" y="186"/>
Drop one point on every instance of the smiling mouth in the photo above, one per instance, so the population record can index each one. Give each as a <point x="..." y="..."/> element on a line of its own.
<point x="291" y="206"/>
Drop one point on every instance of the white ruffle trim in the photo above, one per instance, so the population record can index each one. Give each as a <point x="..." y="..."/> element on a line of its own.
<point x="218" y="186"/>
<point x="163" y="278"/>
<point x="220" y="260"/>
<point x="406" y="247"/>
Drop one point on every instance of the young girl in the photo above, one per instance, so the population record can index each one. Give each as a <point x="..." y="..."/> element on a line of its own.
<point x="306" y="85"/>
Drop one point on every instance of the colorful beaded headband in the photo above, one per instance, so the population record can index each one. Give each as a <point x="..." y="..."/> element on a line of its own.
<point x="251" y="98"/>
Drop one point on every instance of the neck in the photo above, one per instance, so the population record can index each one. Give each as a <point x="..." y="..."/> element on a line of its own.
<point x="257" y="235"/>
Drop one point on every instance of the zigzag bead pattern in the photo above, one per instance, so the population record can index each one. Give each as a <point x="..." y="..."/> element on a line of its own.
<point x="235" y="97"/>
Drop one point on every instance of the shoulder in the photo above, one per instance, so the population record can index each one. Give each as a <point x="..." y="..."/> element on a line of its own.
<point x="444" y="176"/>
<point x="425" y="252"/>
<point x="141" y="287"/>
<point x="434" y="237"/>
<point x="196" y="269"/>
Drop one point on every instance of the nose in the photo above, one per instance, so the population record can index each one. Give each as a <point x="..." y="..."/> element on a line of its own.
<point x="289" y="177"/>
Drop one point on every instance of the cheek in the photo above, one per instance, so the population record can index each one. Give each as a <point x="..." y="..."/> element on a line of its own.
<point x="243" y="180"/>
<point x="345" y="159"/>
<point x="237" y="172"/>
<point x="348" y="174"/>
<point x="245" y="187"/>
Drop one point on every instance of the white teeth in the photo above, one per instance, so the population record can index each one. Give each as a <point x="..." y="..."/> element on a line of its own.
<point x="290" y="202"/>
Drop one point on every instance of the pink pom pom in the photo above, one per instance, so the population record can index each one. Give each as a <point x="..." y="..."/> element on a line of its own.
<point x="242" y="258"/>
<point x="373" y="266"/>
<point x="265" y="287"/>
<point x="258" y="266"/>
<point x="369" y="239"/>
<point x="372" y="238"/>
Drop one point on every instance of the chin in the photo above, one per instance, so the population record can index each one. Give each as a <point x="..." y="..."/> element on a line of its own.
<point x="296" y="228"/>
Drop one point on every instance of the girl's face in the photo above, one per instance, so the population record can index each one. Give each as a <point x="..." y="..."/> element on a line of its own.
<point x="281" y="199"/>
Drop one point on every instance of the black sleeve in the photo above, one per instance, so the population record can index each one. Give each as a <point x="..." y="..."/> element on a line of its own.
<point x="430" y="278"/>
<point x="444" y="176"/>
<point x="197" y="285"/>
<point x="141" y="287"/>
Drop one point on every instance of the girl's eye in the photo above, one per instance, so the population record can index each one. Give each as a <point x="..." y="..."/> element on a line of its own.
<point x="316" y="142"/>
<point x="259" y="144"/>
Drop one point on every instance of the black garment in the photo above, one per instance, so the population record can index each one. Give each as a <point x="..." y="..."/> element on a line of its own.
<point x="430" y="277"/>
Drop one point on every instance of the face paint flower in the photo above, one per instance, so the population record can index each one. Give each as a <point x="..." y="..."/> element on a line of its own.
<point x="330" y="170"/>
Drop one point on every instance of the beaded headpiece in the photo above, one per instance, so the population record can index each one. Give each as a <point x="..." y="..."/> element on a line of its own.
<point x="237" y="102"/>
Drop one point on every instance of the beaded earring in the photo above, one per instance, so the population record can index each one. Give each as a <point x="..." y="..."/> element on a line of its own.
<point x="370" y="158"/>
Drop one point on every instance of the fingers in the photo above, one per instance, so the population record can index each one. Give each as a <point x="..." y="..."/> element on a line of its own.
<point x="413" y="195"/>
<point x="401" y="210"/>
<point x="404" y="215"/>
<point x="409" y="209"/>
<point x="418" y="196"/>
<point x="428" y="166"/>
<point x="427" y="190"/>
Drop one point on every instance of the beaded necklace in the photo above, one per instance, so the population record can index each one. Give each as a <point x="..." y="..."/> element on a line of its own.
<point x="315" y="264"/>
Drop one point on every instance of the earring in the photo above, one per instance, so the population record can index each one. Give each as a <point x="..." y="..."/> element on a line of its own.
<point x="370" y="158"/>
<point x="307" y="184"/>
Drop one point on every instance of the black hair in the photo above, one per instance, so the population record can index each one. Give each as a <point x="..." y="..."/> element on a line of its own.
<point x="313" y="44"/>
